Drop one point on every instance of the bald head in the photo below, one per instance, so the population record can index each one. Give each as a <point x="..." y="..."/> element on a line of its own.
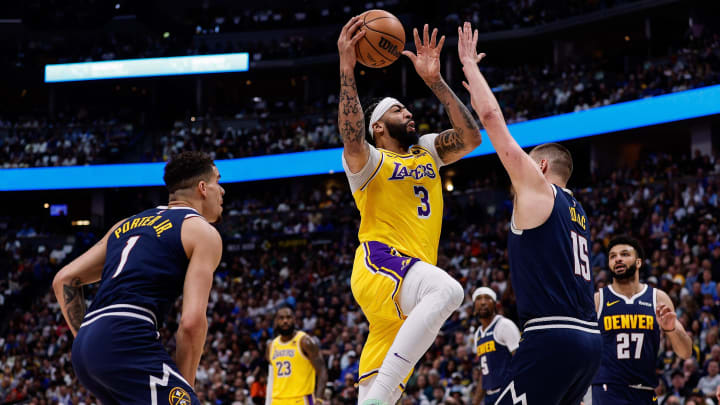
<point x="558" y="158"/>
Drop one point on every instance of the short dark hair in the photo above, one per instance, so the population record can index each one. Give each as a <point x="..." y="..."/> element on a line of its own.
<point x="559" y="158"/>
<point x="368" y="113"/>
<point x="186" y="169"/>
<point x="626" y="240"/>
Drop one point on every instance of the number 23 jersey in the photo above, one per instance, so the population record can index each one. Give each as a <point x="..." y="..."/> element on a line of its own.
<point x="400" y="200"/>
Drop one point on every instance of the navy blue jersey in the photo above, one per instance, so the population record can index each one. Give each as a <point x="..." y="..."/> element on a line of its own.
<point x="494" y="356"/>
<point x="631" y="338"/>
<point x="550" y="264"/>
<point x="145" y="263"/>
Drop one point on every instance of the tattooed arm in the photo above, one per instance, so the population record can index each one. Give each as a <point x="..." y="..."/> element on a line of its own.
<point x="452" y="144"/>
<point x="351" y="121"/>
<point x="69" y="281"/>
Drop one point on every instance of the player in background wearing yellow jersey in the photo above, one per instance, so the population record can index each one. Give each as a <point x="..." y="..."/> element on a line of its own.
<point x="295" y="362"/>
<point x="395" y="180"/>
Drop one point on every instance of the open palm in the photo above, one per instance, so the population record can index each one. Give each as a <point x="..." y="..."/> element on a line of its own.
<point x="427" y="59"/>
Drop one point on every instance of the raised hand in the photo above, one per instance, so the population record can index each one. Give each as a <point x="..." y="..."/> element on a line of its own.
<point x="427" y="59"/>
<point x="666" y="317"/>
<point x="467" y="45"/>
<point x="349" y="36"/>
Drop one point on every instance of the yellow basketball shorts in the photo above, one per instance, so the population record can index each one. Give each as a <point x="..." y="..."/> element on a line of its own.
<point x="378" y="273"/>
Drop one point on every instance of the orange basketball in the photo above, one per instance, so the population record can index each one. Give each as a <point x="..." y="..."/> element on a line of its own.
<point x="383" y="41"/>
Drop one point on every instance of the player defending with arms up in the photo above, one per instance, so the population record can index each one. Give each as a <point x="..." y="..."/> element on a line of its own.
<point x="549" y="261"/>
<point x="395" y="180"/>
<point x="143" y="263"/>
<point x="631" y="317"/>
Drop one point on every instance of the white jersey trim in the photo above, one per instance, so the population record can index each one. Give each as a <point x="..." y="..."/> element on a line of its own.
<point x="115" y="306"/>
<point x="125" y="314"/>
<point x="540" y="327"/>
<point x="483" y="333"/>
<point x="632" y="299"/>
<point x="368" y="171"/>
<point x="428" y="142"/>
<point x="600" y="303"/>
<point x="560" y="318"/>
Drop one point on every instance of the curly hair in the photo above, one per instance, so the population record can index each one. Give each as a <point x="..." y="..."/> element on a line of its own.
<point x="186" y="169"/>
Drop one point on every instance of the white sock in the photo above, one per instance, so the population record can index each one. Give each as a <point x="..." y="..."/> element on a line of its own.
<point x="428" y="297"/>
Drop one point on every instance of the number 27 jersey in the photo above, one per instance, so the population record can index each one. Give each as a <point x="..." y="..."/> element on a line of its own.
<point x="400" y="200"/>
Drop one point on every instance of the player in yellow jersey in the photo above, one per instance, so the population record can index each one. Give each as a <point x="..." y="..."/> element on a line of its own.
<point x="295" y="365"/>
<point x="395" y="180"/>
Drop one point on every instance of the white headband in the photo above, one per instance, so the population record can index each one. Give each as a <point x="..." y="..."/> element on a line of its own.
<point x="484" y="291"/>
<point x="380" y="110"/>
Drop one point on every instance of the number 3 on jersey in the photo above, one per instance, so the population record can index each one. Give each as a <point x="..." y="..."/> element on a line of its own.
<point x="424" y="209"/>
<point x="581" y="257"/>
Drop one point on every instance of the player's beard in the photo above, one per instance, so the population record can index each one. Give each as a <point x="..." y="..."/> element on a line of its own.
<point x="486" y="313"/>
<point x="629" y="273"/>
<point x="286" y="332"/>
<point x="400" y="131"/>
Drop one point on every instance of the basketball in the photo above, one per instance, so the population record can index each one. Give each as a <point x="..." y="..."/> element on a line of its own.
<point x="383" y="41"/>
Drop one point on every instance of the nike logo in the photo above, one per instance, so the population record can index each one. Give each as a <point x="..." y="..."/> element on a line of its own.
<point x="654" y="399"/>
<point x="609" y="304"/>
<point x="401" y="357"/>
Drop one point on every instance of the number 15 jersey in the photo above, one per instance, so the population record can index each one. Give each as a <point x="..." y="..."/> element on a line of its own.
<point x="400" y="200"/>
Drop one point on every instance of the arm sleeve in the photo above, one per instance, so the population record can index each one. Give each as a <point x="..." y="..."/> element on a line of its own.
<point x="428" y="142"/>
<point x="269" y="388"/>
<point x="507" y="334"/>
<point x="358" y="179"/>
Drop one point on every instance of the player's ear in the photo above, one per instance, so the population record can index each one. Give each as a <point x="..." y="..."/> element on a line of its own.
<point x="544" y="166"/>
<point x="638" y="262"/>
<point x="202" y="188"/>
<point x="378" y="129"/>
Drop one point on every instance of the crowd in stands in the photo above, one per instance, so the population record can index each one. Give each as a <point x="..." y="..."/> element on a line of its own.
<point x="294" y="246"/>
<point x="525" y="92"/>
<point x="42" y="142"/>
<point x="268" y="125"/>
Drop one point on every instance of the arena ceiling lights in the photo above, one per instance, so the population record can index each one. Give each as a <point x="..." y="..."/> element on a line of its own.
<point x="147" y="67"/>
<point x="617" y="117"/>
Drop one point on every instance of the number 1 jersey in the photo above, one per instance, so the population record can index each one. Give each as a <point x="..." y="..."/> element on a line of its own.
<point x="145" y="263"/>
<point x="400" y="199"/>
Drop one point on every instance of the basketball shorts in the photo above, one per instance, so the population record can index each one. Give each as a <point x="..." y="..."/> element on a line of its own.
<point x="303" y="400"/>
<point x="617" y="394"/>
<point x="555" y="363"/>
<point x="378" y="273"/>
<point x="491" y="397"/>
<point x="119" y="358"/>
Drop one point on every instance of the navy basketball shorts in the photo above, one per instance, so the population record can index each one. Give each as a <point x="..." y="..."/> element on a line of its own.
<point x="616" y="394"/>
<point x="552" y="366"/>
<point x="491" y="398"/>
<point x="121" y="361"/>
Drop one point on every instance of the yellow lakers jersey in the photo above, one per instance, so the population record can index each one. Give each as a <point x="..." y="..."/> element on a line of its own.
<point x="401" y="203"/>
<point x="293" y="373"/>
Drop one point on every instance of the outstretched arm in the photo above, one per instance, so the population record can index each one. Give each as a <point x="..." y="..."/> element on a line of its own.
<point x="351" y="121"/>
<point x="69" y="281"/>
<point x="312" y="351"/>
<point x="533" y="194"/>
<point x="451" y="144"/>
